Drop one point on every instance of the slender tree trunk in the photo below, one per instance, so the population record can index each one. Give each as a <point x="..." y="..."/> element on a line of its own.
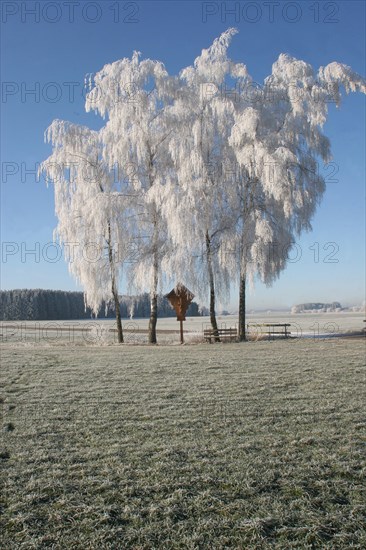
<point x="154" y="292"/>
<point x="212" y="288"/>
<point x="242" y="329"/>
<point x="154" y="288"/>
<point x="154" y="306"/>
<point x="243" y="275"/>
<point x="153" y="318"/>
<point x="114" y="289"/>
<point x="118" y="317"/>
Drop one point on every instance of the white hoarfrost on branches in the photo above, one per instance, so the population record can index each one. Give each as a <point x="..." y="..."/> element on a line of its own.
<point x="214" y="183"/>
<point x="195" y="204"/>
<point x="91" y="207"/>
<point x="135" y="97"/>
<point x="277" y="141"/>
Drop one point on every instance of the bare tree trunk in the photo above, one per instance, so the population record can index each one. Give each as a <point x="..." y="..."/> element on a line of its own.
<point x="153" y="318"/>
<point x="114" y="289"/>
<point x="154" y="291"/>
<point x="118" y="317"/>
<point x="154" y="305"/>
<point x="242" y="319"/>
<point x="212" y="288"/>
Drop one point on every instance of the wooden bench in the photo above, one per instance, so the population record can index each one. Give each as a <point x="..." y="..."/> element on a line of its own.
<point x="271" y="328"/>
<point x="222" y="333"/>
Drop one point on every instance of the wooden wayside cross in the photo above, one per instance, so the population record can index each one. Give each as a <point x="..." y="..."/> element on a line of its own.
<point x="180" y="298"/>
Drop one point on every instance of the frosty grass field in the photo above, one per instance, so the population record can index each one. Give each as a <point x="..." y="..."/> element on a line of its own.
<point x="254" y="445"/>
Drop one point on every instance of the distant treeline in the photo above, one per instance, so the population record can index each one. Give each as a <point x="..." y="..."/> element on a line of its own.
<point x="38" y="305"/>
<point x="316" y="306"/>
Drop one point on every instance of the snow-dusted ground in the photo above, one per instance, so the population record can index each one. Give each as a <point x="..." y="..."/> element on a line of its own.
<point x="98" y="332"/>
<point x="209" y="443"/>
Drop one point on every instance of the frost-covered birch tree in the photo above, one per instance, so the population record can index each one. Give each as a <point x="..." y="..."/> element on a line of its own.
<point x="278" y="142"/>
<point x="134" y="96"/>
<point x="90" y="208"/>
<point x="197" y="204"/>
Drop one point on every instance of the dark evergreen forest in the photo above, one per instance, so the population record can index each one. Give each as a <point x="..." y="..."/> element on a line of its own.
<point x="38" y="305"/>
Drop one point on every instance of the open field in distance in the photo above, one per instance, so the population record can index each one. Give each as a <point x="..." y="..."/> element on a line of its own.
<point x="100" y="332"/>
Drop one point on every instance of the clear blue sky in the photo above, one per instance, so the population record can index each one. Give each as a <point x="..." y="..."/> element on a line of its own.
<point x="51" y="47"/>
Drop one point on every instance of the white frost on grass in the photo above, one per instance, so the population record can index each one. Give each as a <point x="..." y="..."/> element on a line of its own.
<point x="239" y="446"/>
<point x="102" y="332"/>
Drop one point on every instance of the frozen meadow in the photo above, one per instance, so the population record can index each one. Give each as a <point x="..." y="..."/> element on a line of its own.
<point x="252" y="445"/>
<point x="103" y="332"/>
